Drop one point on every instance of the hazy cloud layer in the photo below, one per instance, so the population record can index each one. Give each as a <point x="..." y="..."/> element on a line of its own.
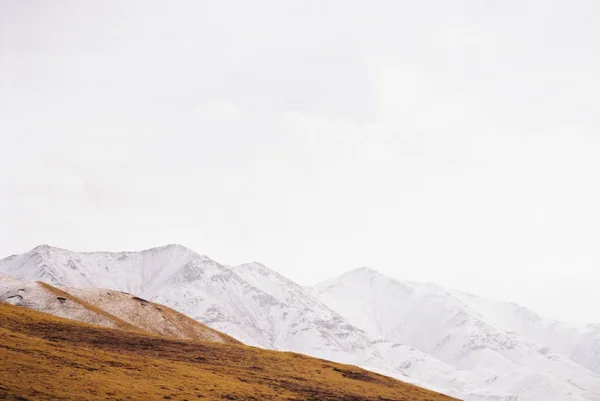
<point x="453" y="142"/>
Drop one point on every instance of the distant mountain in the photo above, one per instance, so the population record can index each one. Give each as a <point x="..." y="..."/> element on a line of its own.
<point x="580" y="344"/>
<point x="442" y="339"/>
<point x="494" y="340"/>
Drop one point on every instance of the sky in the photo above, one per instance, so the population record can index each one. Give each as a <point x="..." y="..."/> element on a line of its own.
<point x="454" y="142"/>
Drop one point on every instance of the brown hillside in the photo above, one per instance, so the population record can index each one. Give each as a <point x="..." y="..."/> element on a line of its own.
<point x="119" y="323"/>
<point x="107" y="308"/>
<point x="148" y="316"/>
<point x="43" y="357"/>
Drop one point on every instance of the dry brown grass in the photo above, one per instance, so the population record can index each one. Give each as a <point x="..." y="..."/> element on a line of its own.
<point x="47" y="358"/>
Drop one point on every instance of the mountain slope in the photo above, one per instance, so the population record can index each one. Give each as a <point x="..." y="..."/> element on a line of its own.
<point x="420" y="333"/>
<point x="372" y="352"/>
<point x="580" y="344"/>
<point x="107" y="308"/>
<point x="457" y="334"/>
<point x="239" y="302"/>
<point x="46" y="298"/>
<point x="48" y="358"/>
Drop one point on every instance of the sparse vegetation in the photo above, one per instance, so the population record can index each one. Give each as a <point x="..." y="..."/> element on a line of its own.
<point x="47" y="358"/>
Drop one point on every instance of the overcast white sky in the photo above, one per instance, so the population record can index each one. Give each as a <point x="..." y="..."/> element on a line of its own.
<point x="455" y="142"/>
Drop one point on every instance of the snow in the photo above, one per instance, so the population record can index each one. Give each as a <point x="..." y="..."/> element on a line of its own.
<point x="456" y="343"/>
<point x="465" y="332"/>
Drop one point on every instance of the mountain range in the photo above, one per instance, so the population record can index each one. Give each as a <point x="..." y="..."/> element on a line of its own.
<point x="446" y="340"/>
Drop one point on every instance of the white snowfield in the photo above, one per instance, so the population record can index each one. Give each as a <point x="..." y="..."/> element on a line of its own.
<point x="452" y="342"/>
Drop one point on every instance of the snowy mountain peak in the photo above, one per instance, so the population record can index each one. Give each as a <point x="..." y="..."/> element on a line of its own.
<point x="364" y="270"/>
<point x="363" y="273"/>
<point x="257" y="268"/>
<point x="359" y="276"/>
<point x="44" y="251"/>
<point x="169" y="248"/>
<point x="42" y="248"/>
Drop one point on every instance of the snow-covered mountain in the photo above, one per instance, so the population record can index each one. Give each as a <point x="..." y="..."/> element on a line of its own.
<point x="442" y="339"/>
<point x="496" y="341"/>
<point x="580" y="344"/>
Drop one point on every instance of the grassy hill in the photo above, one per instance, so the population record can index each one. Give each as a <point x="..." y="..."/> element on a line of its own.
<point x="107" y="308"/>
<point x="43" y="357"/>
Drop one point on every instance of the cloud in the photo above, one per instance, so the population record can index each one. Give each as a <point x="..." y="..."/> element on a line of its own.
<point x="454" y="143"/>
<point x="221" y="110"/>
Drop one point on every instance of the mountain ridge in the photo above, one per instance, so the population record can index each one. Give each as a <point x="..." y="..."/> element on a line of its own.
<point x="431" y="336"/>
